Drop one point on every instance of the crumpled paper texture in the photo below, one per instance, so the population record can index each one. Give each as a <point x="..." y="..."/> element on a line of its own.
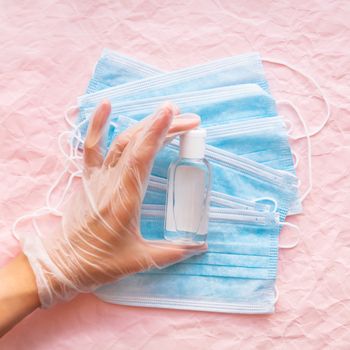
<point x="48" y="51"/>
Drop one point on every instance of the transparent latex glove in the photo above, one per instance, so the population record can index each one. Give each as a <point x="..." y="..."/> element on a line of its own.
<point x="99" y="239"/>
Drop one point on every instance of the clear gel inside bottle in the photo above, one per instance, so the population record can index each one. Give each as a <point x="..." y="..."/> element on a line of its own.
<point x="188" y="195"/>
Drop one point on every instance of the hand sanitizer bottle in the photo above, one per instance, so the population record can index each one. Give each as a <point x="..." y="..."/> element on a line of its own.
<point x="188" y="195"/>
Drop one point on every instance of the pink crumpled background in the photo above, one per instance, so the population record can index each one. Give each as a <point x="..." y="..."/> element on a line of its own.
<point x="48" y="51"/>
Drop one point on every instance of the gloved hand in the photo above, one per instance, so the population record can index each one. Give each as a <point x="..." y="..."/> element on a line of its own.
<point x="99" y="239"/>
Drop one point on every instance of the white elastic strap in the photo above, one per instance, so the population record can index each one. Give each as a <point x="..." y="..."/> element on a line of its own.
<point x="114" y="124"/>
<point x="299" y="183"/>
<point x="49" y="208"/>
<point x="289" y="126"/>
<point x="65" y="191"/>
<point x="71" y="159"/>
<point x="53" y="187"/>
<point x="325" y="99"/>
<point x="36" y="227"/>
<point x="296" y="159"/>
<point x="37" y="213"/>
<point x="60" y="145"/>
<point x="76" y="135"/>
<point x="309" y="149"/>
<point x="94" y="68"/>
<point x="267" y="199"/>
<point x="75" y="138"/>
<point x="293" y="244"/>
<point x="277" y="294"/>
<point x="67" y="113"/>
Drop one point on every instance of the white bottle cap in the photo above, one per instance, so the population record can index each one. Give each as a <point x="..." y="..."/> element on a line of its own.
<point x="192" y="144"/>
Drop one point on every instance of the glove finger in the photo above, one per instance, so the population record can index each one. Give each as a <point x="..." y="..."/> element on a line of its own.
<point x="122" y="140"/>
<point x="93" y="156"/>
<point x="136" y="161"/>
<point x="143" y="148"/>
<point x="181" y="124"/>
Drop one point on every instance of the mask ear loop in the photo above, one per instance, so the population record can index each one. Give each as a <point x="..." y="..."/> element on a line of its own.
<point x="71" y="158"/>
<point x="94" y="67"/>
<point x="299" y="183"/>
<point x="75" y="135"/>
<point x="289" y="126"/>
<point x="308" y="140"/>
<point x="37" y="213"/>
<point x="308" y="77"/>
<point x="73" y="154"/>
<point x="66" y="115"/>
<point x="296" y="159"/>
<point x="269" y="200"/>
<point x="114" y="124"/>
<point x="65" y="191"/>
<point x="294" y="244"/>
<point x="277" y="294"/>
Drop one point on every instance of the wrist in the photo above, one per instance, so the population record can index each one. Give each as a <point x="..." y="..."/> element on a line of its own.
<point x="18" y="292"/>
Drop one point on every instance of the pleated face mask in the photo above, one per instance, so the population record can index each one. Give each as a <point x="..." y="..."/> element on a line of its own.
<point x="236" y="275"/>
<point x="240" y="119"/>
<point x="241" y="69"/>
<point x="113" y="69"/>
<point x="226" y="113"/>
<point x="234" y="175"/>
<point x="156" y="194"/>
<point x="262" y="140"/>
<point x="215" y="107"/>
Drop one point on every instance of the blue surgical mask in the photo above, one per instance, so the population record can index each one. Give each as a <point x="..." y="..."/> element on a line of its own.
<point x="226" y="113"/>
<point x="156" y="194"/>
<point x="263" y="140"/>
<point x="223" y="104"/>
<point x="240" y="69"/>
<point x="230" y="116"/>
<point x="236" y="275"/>
<point x="251" y="292"/>
<point x="215" y="106"/>
<point x="234" y="175"/>
<point x="233" y="122"/>
<point x="114" y="69"/>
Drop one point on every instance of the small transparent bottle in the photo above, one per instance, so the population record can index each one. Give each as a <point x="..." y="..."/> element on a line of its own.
<point x="188" y="194"/>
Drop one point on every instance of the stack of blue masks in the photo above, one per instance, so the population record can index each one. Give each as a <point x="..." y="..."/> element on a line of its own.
<point x="254" y="182"/>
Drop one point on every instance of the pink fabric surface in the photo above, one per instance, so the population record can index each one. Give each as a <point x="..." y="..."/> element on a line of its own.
<point x="48" y="50"/>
